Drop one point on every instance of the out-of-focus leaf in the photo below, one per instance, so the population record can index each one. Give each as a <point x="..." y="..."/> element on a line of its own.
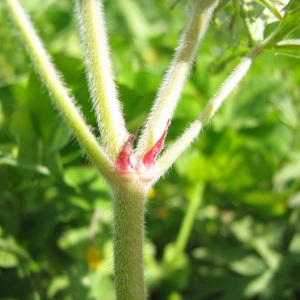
<point x="289" y="172"/>
<point x="250" y="106"/>
<point x="176" y="268"/>
<point x="59" y="137"/>
<point x="10" y="252"/>
<point x="241" y="228"/>
<point x="75" y="241"/>
<point x="56" y="285"/>
<point x="103" y="291"/>
<point x="264" y="249"/>
<point x="23" y="128"/>
<point x="294" y="201"/>
<point x="288" y="108"/>
<point x="77" y="176"/>
<point x="267" y="203"/>
<point x="295" y="244"/>
<point x="19" y="163"/>
<point x="7" y="259"/>
<point x="258" y="285"/>
<point x="138" y="25"/>
<point x="248" y="266"/>
<point x="41" y="109"/>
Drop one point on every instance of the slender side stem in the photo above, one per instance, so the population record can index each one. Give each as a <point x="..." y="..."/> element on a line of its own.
<point x="56" y="87"/>
<point x="189" y="218"/>
<point x="176" y="148"/>
<point x="128" y="234"/>
<point x="100" y="75"/>
<point x="187" y="137"/>
<point x="173" y="82"/>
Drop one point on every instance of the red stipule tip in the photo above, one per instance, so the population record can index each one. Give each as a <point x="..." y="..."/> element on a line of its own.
<point x="123" y="161"/>
<point x="149" y="158"/>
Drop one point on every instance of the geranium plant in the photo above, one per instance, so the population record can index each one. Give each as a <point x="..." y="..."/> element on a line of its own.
<point x="131" y="171"/>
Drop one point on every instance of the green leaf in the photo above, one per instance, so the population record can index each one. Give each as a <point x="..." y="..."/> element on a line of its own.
<point x="267" y="203"/>
<point x="75" y="241"/>
<point x="23" y="128"/>
<point x="288" y="172"/>
<point x="248" y="266"/>
<point x="76" y="176"/>
<point x="10" y="252"/>
<point x="19" y="163"/>
<point x="258" y="285"/>
<point x="59" y="137"/>
<point x="41" y="108"/>
<point x="294" y="201"/>
<point x="7" y="259"/>
<point x="289" y="23"/>
<point x="56" y="285"/>
<point x="288" y="47"/>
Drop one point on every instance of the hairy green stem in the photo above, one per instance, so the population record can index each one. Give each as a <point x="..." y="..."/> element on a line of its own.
<point x="128" y="234"/>
<point x="173" y="82"/>
<point x="100" y="75"/>
<point x="56" y="87"/>
<point x="192" y="131"/>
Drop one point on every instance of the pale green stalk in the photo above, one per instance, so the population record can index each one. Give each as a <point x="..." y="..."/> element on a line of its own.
<point x="191" y="133"/>
<point x="100" y="75"/>
<point x="184" y="233"/>
<point x="57" y="90"/>
<point x="173" y="82"/>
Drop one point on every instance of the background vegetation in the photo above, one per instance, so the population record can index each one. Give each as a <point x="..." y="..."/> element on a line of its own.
<point x="243" y="172"/>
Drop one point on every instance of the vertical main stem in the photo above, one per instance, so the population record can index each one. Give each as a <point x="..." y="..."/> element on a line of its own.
<point x="129" y="201"/>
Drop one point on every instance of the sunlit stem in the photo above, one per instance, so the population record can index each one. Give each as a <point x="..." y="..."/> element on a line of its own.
<point x="173" y="82"/>
<point x="182" y="143"/>
<point x="55" y="86"/>
<point x="100" y="75"/>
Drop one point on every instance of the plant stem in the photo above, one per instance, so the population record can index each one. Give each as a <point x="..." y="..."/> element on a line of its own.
<point x="192" y="132"/>
<point x="56" y="88"/>
<point x="128" y="233"/>
<point x="100" y="75"/>
<point x="189" y="218"/>
<point x="173" y="82"/>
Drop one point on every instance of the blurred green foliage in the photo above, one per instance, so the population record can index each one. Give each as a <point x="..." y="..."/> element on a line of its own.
<point x="55" y="213"/>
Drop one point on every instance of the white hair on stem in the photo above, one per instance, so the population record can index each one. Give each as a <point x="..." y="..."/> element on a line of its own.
<point x="173" y="82"/>
<point x="100" y="75"/>
<point x="173" y="151"/>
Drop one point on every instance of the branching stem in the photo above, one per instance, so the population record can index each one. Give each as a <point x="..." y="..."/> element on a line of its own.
<point x="192" y="132"/>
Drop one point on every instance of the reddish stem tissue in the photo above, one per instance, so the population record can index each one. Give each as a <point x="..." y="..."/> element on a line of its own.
<point x="150" y="156"/>
<point x="123" y="162"/>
